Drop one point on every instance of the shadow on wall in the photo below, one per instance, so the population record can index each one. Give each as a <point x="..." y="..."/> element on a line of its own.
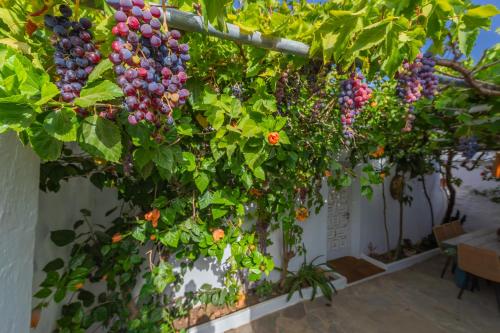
<point x="57" y="212"/>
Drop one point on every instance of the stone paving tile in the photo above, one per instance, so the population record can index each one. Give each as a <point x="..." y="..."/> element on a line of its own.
<point x="415" y="300"/>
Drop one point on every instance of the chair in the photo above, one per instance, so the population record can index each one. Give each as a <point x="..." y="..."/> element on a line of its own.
<point x="443" y="232"/>
<point x="480" y="263"/>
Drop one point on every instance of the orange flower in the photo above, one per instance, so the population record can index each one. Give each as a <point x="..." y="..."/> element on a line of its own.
<point x="373" y="104"/>
<point x="217" y="234"/>
<point x="273" y="138"/>
<point x="255" y="192"/>
<point x="117" y="238"/>
<point x="328" y="173"/>
<point x="301" y="214"/>
<point x="152" y="237"/>
<point x="153" y="216"/>
<point x="379" y="152"/>
<point x="79" y="286"/>
<point x="35" y="317"/>
<point x="382" y="175"/>
<point x="241" y="299"/>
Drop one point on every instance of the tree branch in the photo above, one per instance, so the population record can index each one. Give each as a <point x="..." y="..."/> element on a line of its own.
<point x="467" y="75"/>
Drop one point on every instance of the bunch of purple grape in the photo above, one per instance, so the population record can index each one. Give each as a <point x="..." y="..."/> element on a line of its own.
<point x="149" y="62"/>
<point x="75" y="55"/>
<point x="428" y="79"/>
<point x="280" y="93"/>
<point x="409" y="87"/>
<point x="468" y="146"/>
<point x="354" y="94"/>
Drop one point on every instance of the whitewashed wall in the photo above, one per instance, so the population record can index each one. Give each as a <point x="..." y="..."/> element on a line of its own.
<point x="19" y="172"/>
<point x="60" y="211"/>
<point x="368" y="218"/>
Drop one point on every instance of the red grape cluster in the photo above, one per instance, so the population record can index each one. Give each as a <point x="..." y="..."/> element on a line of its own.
<point x="415" y="80"/>
<point x="75" y="55"/>
<point x="354" y="94"/>
<point x="149" y="62"/>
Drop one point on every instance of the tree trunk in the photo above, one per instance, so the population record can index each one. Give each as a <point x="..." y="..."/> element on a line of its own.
<point x="285" y="259"/>
<point x="426" y="193"/>
<point x="262" y="228"/>
<point x="449" y="186"/>
<point x="387" y="241"/>
<point x="399" y="248"/>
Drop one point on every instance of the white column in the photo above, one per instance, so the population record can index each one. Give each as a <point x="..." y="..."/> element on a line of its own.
<point x="19" y="176"/>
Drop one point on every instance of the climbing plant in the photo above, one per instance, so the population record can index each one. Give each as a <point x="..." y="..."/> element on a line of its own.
<point x="192" y="130"/>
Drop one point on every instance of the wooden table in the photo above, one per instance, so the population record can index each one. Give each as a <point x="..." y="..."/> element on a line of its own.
<point x="483" y="238"/>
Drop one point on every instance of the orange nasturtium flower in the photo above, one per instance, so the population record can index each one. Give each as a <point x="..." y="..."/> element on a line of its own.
<point x="273" y="138"/>
<point x="301" y="214"/>
<point x="79" y="286"/>
<point x="255" y="192"/>
<point x="217" y="234"/>
<point x="328" y="173"/>
<point x="241" y="298"/>
<point x="117" y="238"/>
<point x="35" y="317"/>
<point x="152" y="237"/>
<point x="379" y="152"/>
<point x="153" y="216"/>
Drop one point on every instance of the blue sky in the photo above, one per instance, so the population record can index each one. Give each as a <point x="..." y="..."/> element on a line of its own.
<point x="486" y="39"/>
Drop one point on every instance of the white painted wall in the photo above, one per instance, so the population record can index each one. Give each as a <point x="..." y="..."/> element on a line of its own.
<point x="369" y="220"/>
<point x="60" y="211"/>
<point x="19" y="172"/>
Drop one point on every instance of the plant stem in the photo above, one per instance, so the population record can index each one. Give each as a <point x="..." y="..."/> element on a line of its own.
<point x="397" y="255"/>
<point x="449" y="186"/>
<point x="387" y="241"/>
<point x="426" y="193"/>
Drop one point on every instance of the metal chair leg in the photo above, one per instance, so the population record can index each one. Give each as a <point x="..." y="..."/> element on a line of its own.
<point x="464" y="286"/>
<point x="497" y="292"/>
<point x="446" y="264"/>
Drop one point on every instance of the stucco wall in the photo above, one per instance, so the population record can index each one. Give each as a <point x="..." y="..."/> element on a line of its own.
<point x="60" y="211"/>
<point x="19" y="169"/>
<point x="416" y="219"/>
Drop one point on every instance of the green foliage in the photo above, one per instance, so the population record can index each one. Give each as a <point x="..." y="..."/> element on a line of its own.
<point x="217" y="160"/>
<point x="318" y="277"/>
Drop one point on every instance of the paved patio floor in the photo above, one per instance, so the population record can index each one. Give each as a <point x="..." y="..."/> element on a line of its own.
<point x="412" y="300"/>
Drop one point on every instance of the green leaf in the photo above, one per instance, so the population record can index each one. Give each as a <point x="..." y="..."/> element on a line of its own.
<point x="62" y="237"/>
<point x="46" y="146"/>
<point x="54" y="265"/>
<point x="217" y="213"/>
<point x="15" y="116"/>
<point x="104" y="91"/>
<point x="259" y="173"/>
<point x="479" y="17"/>
<point x="86" y="297"/>
<point x="138" y="234"/>
<point x="43" y="293"/>
<point x="371" y="35"/>
<point x="164" y="158"/>
<point x="190" y="161"/>
<point x="202" y="182"/>
<point x="48" y="91"/>
<point x="100" y="69"/>
<point x="62" y="124"/>
<point x="100" y="137"/>
<point x="171" y="238"/>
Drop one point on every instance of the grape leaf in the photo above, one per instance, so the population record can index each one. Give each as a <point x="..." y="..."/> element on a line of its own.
<point x="104" y="91"/>
<point x="62" y="124"/>
<point x="100" y="69"/>
<point x="100" y="137"/>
